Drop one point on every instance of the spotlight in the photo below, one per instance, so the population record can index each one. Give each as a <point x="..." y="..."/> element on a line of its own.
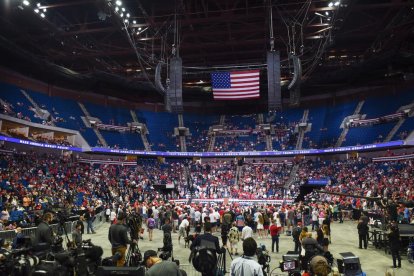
<point x="42" y="15"/>
<point x="116" y="9"/>
<point x="122" y="15"/>
<point x="36" y="10"/>
<point x="38" y="4"/>
<point x="123" y="9"/>
<point x="118" y="3"/>
<point x="326" y="13"/>
<point x="337" y="3"/>
<point x="134" y="22"/>
<point x="330" y="4"/>
<point x="44" y="10"/>
<point x="126" y="21"/>
<point x="127" y="15"/>
<point x="26" y="2"/>
<point x="139" y="29"/>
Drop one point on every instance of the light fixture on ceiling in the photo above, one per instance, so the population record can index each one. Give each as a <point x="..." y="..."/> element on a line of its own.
<point x="330" y="4"/>
<point x="36" y="10"/>
<point x="44" y="10"/>
<point x="139" y="29"/>
<point x="127" y="15"/>
<point x="116" y="9"/>
<point x="337" y="3"/>
<point x="38" y="4"/>
<point x="123" y="9"/>
<point x="122" y="15"/>
<point x="118" y="3"/>
<point x="42" y="15"/>
<point x="26" y="2"/>
<point x="326" y="13"/>
<point x="134" y="22"/>
<point x="126" y="21"/>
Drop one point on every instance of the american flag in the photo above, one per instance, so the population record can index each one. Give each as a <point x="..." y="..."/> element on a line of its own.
<point x="236" y="85"/>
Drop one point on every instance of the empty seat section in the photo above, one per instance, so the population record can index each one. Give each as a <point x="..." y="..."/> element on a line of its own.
<point x="66" y="112"/>
<point x="367" y="135"/>
<point x="125" y="140"/>
<point x="13" y="95"/>
<point x="161" y="129"/>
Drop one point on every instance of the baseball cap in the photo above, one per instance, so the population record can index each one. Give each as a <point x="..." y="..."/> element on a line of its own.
<point x="147" y="255"/>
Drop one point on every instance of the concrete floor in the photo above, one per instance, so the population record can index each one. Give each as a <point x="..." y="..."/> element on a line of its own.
<point x="344" y="239"/>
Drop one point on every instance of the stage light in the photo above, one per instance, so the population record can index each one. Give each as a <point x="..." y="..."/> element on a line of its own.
<point x="38" y="4"/>
<point x="42" y="15"/>
<point x="126" y="21"/>
<point x="326" y="13"/>
<point x="337" y="3"/>
<point x="134" y="22"/>
<point x="116" y="9"/>
<point x="36" y="10"/>
<point x="139" y="29"/>
<point x="122" y="15"/>
<point x="123" y="9"/>
<point x="330" y="4"/>
<point x="44" y="10"/>
<point x="127" y="15"/>
<point x="119" y="3"/>
<point x="26" y="3"/>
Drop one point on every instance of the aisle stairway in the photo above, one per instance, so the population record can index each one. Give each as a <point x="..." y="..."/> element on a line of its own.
<point x="97" y="132"/>
<point x="346" y="129"/>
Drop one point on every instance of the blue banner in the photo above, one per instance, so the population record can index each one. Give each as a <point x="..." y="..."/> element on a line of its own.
<point x="385" y="145"/>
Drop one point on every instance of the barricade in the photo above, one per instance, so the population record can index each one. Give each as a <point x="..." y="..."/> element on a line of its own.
<point x="69" y="226"/>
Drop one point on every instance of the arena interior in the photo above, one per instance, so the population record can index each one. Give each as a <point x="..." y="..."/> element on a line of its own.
<point x="256" y="137"/>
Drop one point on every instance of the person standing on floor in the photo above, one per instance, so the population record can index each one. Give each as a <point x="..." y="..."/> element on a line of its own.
<point x="394" y="240"/>
<point x="274" y="233"/>
<point x="234" y="238"/>
<point x="363" y="234"/>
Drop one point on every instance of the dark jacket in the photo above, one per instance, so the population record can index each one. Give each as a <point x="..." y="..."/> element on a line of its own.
<point x="207" y="240"/>
<point x="362" y="228"/>
<point x="310" y="245"/>
<point x="118" y="235"/>
<point x="394" y="240"/>
<point x="44" y="233"/>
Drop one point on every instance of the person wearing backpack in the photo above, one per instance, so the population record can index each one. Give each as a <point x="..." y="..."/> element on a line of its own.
<point x="296" y="236"/>
<point x="150" y="226"/>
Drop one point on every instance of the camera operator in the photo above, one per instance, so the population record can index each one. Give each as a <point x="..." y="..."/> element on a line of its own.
<point x="158" y="267"/>
<point x="118" y="237"/>
<point x="44" y="233"/>
<point x="311" y="247"/>
<point x="207" y="238"/>
<point x="246" y="265"/>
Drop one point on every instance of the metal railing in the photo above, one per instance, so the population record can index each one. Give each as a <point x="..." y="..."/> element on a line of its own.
<point x="69" y="226"/>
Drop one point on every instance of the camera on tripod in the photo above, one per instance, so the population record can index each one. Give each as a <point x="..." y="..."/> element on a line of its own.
<point x="290" y="263"/>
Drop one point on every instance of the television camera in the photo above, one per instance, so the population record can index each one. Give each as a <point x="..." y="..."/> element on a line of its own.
<point x="263" y="258"/>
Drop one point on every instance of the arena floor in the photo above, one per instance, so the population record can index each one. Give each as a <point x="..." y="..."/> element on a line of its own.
<point x="344" y="239"/>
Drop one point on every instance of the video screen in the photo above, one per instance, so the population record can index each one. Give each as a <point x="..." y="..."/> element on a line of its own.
<point x="289" y="265"/>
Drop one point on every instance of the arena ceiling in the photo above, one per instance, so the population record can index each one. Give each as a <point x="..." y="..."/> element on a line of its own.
<point x="97" y="45"/>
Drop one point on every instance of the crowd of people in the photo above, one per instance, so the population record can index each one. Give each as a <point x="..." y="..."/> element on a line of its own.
<point x="31" y="183"/>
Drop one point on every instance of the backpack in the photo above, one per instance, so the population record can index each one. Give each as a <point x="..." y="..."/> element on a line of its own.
<point x="151" y="223"/>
